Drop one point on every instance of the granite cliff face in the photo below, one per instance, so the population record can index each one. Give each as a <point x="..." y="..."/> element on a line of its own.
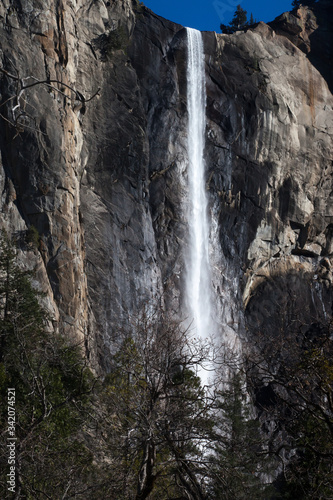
<point x="311" y="31"/>
<point x="104" y="180"/>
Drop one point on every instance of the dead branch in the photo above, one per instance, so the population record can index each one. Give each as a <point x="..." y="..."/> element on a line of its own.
<point x="19" y="115"/>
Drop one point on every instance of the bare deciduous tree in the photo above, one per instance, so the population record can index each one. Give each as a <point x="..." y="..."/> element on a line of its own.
<point x="158" y="413"/>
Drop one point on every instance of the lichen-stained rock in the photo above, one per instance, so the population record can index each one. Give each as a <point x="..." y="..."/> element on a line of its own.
<point x="94" y="156"/>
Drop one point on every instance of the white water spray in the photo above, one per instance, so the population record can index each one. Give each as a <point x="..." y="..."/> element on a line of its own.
<point x="198" y="269"/>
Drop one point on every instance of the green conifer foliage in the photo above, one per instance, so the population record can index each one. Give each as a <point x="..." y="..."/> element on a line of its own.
<point x="238" y="22"/>
<point x="240" y="18"/>
<point x="298" y="3"/>
<point x="159" y="415"/>
<point x="241" y="460"/>
<point x="51" y="386"/>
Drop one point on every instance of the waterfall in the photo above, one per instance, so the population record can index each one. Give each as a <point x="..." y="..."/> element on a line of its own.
<point x="198" y="280"/>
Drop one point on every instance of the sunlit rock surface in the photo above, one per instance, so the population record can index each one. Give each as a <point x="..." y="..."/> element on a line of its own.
<point x="105" y="180"/>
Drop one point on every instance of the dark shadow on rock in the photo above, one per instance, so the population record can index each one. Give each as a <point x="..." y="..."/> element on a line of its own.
<point x="310" y="29"/>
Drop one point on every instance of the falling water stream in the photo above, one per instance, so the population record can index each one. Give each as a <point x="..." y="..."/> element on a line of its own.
<point x="198" y="282"/>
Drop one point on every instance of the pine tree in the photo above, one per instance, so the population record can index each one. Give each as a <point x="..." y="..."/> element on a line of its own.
<point x="238" y="22"/>
<point x="51" y="386"/>
<point x="240" y="457"/>
<point x="298" y="3"/>
<point x="160" y="416"/>
<point x="299" y="399"/>
<point x="240" y="18"/>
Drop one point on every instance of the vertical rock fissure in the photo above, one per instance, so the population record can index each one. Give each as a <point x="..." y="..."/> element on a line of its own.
<point x="198" y="280"/>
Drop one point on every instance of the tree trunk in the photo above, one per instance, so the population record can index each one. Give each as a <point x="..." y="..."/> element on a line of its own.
<point x="146" y="476"/>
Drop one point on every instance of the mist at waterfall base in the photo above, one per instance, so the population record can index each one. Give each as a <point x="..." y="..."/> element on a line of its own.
<point x="198" y="276"/>
<point x="207" y="16"/>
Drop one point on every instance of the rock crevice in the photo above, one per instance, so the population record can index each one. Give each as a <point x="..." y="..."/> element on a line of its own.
<point x="105" y="181"/>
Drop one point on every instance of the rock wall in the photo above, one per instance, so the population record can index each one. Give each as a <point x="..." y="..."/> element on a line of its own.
<point x="311" y="31"/>
<point x="270" y="150"/>
<point x="104" y="179"/>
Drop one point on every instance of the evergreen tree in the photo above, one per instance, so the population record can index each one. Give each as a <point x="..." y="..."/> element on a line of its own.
<point x="154" y="432"/>
<point x="300" y="402"/>
<point x="240" y="18"/>
<point x="240" y="460"/>
<point x="238" y="22"/>
<point x="159" y="415"/>
<point x="309" y="405"/>
<point x="49" y="392"/>
<point x="298" y="3"/>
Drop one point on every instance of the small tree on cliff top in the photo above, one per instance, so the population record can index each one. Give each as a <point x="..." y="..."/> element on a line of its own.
<point x="298" y="3"/>
<point x="240" y="18"/>
<point x="238" y="22"/>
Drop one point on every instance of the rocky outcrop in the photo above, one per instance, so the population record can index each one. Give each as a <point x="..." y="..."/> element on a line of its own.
<point x="269" y="168"/>
<point x="104" y="180"/>
<point x="310" y="29"/>
<point x="271" y="125"/>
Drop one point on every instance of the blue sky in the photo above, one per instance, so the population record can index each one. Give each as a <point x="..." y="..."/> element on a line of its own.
<point x="207" y="15"/>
